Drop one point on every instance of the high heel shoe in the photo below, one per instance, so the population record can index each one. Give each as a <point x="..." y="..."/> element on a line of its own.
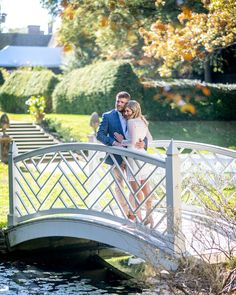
<point x="149" y="221"/>
<point x="131" y="216"/>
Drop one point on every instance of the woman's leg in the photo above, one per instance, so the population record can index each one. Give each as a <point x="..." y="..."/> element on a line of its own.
<point x="133" y="200"/>
<point x="146" y="193"/>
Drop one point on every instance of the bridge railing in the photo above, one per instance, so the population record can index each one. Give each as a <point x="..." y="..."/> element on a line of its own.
<point x="73" y="178"/>
<point x="208" y="173"/>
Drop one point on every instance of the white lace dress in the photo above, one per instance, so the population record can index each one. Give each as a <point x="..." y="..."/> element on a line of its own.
<point x="136" y="130"/>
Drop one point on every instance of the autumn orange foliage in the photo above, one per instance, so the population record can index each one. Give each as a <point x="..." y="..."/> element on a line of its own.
<point x="188" y="107"/>
<point x="67" y="47"/>
<point x="195" y="37"/>
<point x="181" y="100"/>
<point x="104" y="21"/>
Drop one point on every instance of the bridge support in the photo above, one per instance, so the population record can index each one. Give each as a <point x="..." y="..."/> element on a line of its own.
<point x="12" y="217"/>
<point x="173" y="193"/>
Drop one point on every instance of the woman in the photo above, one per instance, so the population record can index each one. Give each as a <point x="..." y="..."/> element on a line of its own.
<point x="137" y="129"/>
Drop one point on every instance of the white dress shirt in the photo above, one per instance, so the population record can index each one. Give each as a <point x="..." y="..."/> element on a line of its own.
<point x="123" y="122"/>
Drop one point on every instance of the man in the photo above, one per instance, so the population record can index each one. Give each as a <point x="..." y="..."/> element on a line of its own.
<point x="114" y="122"/>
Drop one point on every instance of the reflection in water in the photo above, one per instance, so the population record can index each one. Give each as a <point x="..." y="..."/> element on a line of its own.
<point x="21" y="278"/>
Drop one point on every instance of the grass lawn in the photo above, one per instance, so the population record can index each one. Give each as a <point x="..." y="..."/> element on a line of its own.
<point x="221" y="133"/>
<point x="76" y="128"/>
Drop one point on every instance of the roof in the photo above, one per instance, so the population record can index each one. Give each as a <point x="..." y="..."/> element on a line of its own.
<point x="18" y="56"/>
<point x="17" y="39"/>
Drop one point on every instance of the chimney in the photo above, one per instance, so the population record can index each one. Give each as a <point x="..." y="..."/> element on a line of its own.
<point x="34" y="30"/>
<point x="50" y="28"/>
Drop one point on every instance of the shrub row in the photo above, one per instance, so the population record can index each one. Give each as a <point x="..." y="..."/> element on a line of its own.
<point x="189" y="100"/>
<point x="94" y="87"/>
<point x="24" y="83"/>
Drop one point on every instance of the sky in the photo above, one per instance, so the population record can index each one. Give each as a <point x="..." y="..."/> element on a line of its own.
<point x="21" y="13"/>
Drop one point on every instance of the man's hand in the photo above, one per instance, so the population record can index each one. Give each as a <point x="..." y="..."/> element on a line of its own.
<point x="140" y="144"/>
<point x="119" y="137"/>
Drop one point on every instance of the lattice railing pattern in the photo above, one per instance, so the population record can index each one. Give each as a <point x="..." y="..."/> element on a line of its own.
<point x="208" y="172"/>
<point x="71" y="177"/>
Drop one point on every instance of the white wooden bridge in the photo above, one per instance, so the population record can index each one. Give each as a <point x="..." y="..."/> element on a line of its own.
<point x="67" y="190"/>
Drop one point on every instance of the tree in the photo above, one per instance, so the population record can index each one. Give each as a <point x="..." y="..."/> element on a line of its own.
<point x="106" y="29"/>
<point x="2" y="17"/>
<point x="197" y="37"/>
<point x="54" y="6"/>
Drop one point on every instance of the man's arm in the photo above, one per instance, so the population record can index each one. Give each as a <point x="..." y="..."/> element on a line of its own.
<point x="145" y="143"/>
<point x="102" y="134"/>
<point x="147" y="139"/>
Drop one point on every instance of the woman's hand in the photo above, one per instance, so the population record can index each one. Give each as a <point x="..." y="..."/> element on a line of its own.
<point x="116" y="143"/>
<point x="140" y="144"/>
<point x="119" y="137"/>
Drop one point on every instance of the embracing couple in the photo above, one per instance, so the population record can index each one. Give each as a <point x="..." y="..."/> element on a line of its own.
<point x="125" y="126"/>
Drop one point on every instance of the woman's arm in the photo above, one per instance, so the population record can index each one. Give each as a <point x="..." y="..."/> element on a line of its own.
<point x="131" y="140"/>
<point x="149" y="136"/>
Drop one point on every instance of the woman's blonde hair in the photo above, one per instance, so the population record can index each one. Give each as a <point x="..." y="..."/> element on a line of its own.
<point x="136" y="109"/>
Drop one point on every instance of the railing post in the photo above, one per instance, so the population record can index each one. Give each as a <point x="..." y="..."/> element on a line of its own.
<point x="92" y="138"/>
<point x="12" y="218"/>
<point x="94" y="179"/>
<point x="173" y="194"/>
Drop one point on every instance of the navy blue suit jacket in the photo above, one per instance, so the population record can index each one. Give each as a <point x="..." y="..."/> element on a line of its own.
<point x="109" y="125"/>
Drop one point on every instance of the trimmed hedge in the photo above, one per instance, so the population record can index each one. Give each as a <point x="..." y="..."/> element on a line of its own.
<point x="209" y="101"/>
<point x="22" y="84"/>
<point x="94" y="87"/>
<point x="1" y="78"/>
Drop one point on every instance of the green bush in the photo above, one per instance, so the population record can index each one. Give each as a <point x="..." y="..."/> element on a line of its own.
<point x="163" y="100"/>
<point x="94" y="87"/>
<point x="1" y="78"/>
<point x="36" y="107"/>
<point x="23" y="84"/>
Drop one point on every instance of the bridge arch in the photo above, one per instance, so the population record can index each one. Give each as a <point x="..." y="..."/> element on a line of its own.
<point x="126" y="237"/>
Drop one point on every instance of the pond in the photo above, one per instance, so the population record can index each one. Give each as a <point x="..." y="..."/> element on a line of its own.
<point x="33" y="275"/>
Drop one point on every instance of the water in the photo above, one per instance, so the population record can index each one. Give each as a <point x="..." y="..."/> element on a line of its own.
<point x="21" y="278"/>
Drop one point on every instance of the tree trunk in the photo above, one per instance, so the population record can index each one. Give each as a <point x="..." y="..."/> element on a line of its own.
<point x="207" y="71"/>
